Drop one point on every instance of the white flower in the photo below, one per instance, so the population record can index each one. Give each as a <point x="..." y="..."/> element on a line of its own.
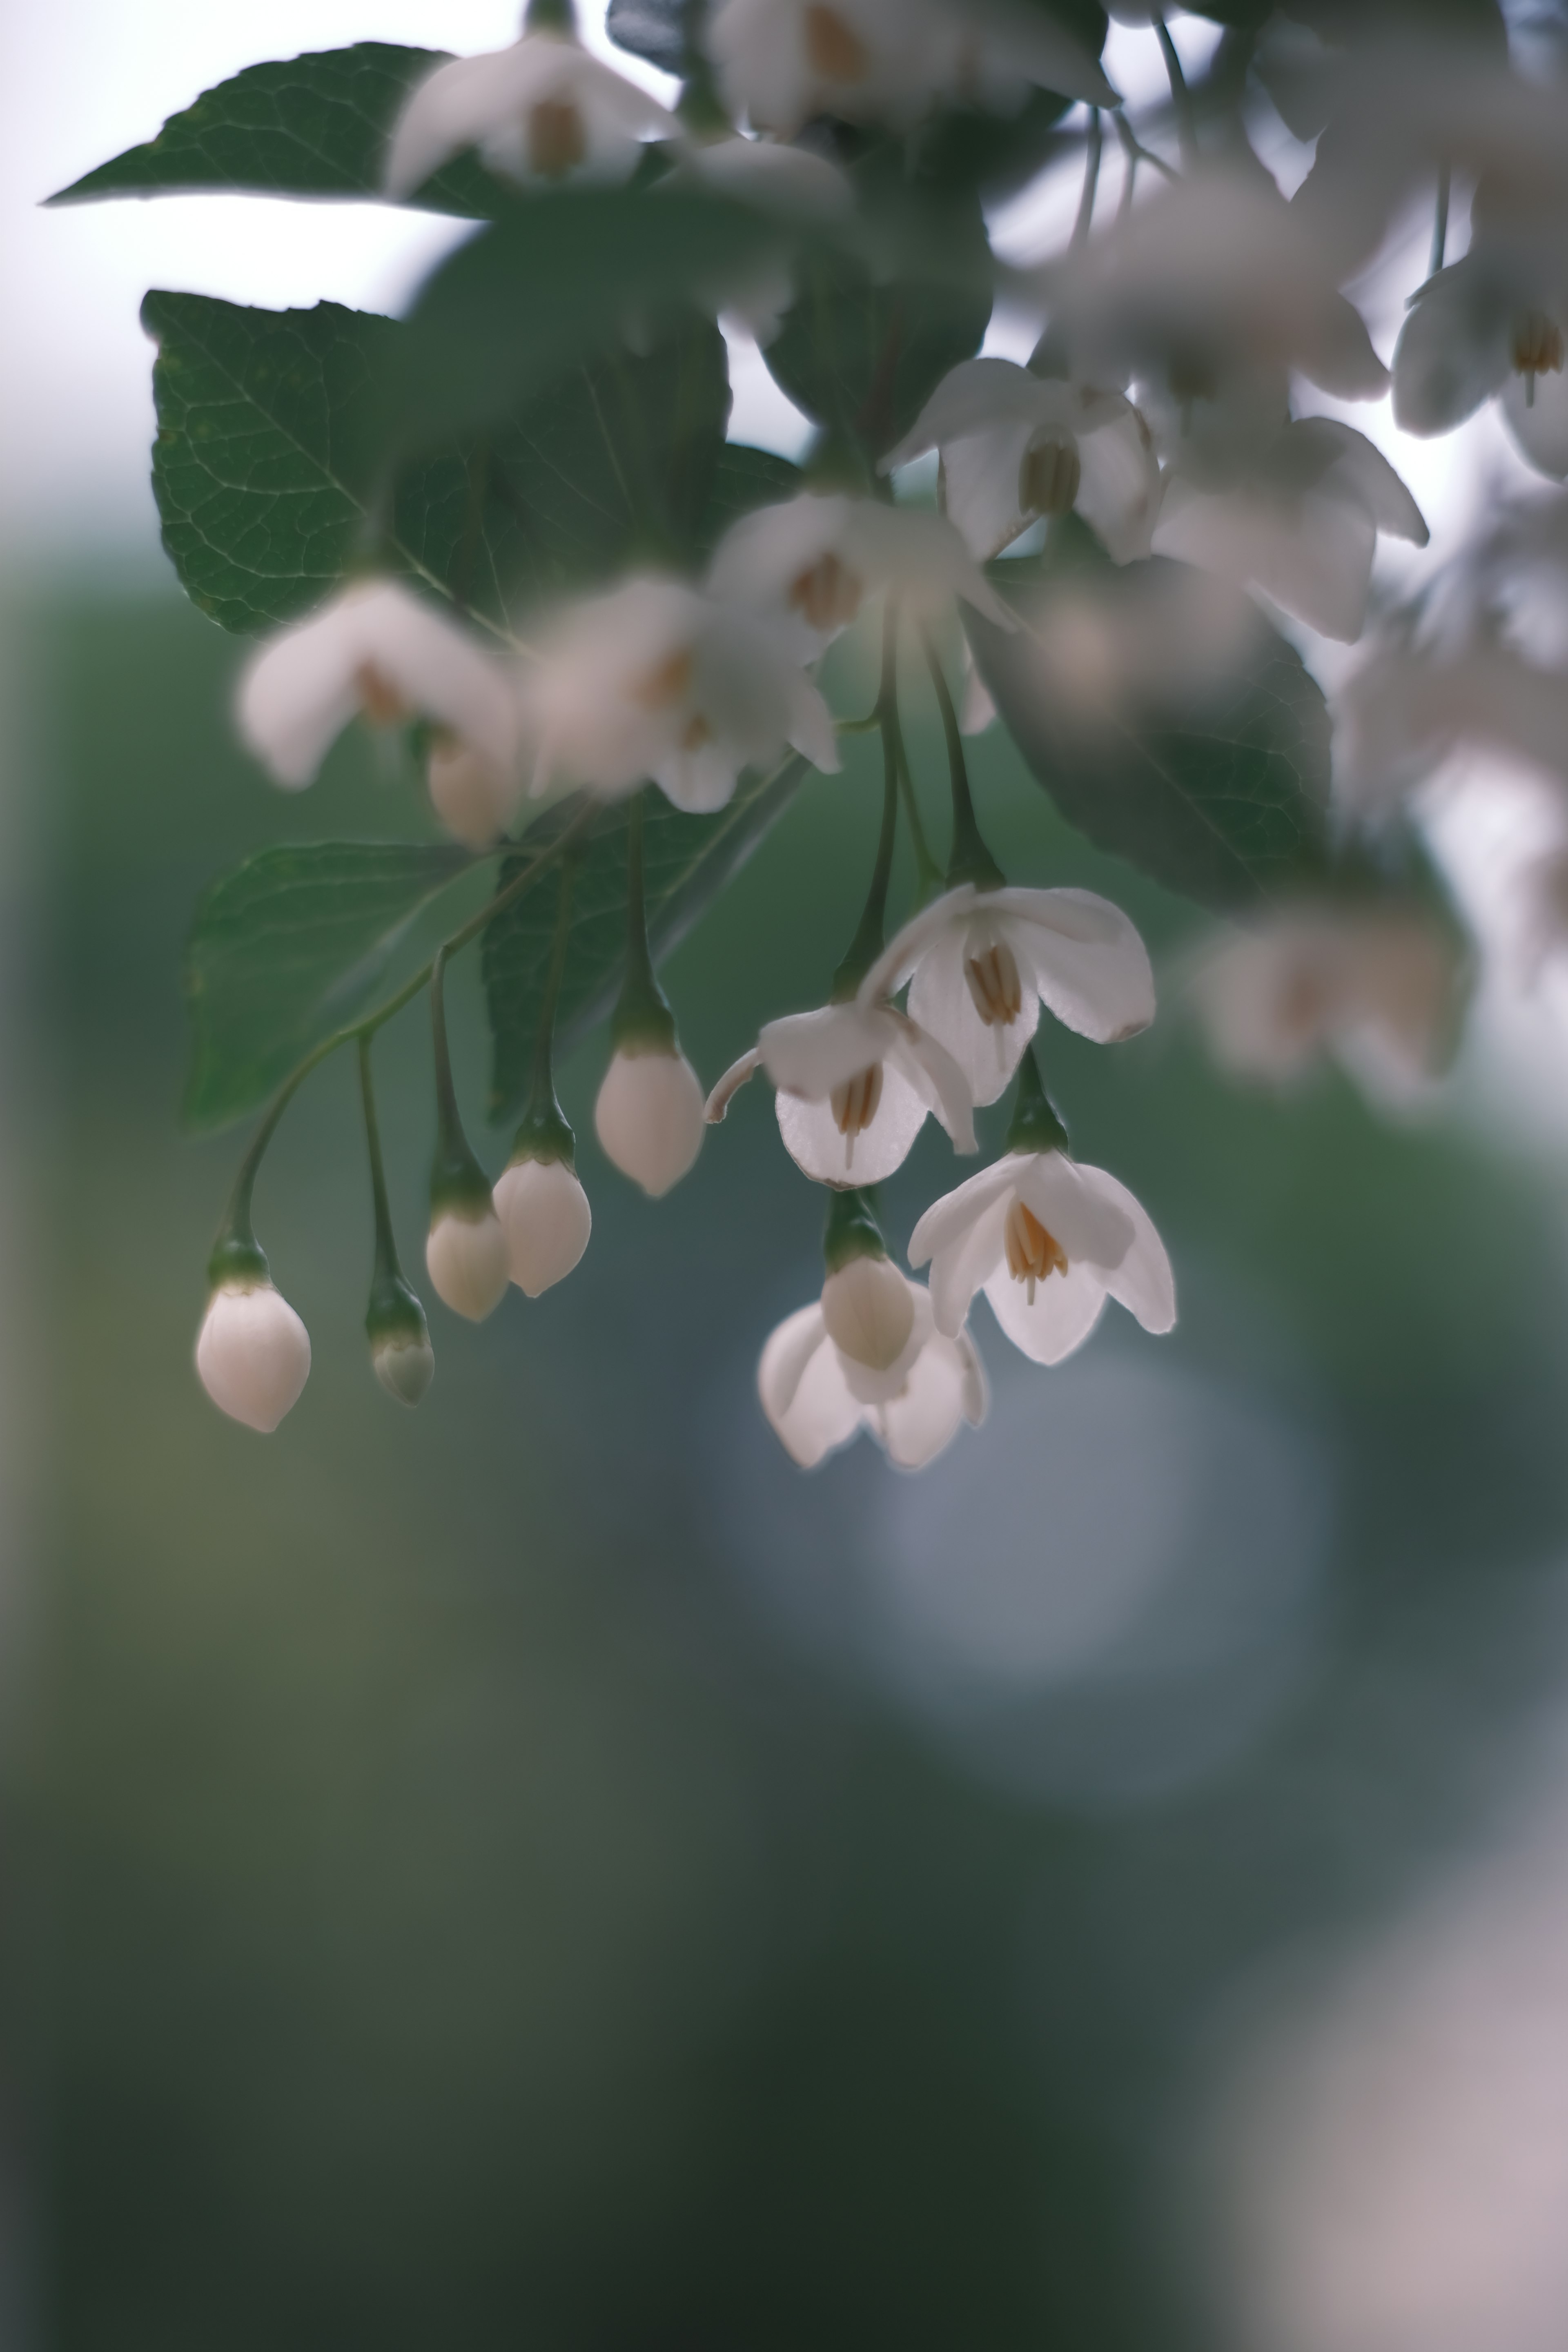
<point x="467" y="1257"/>
<point x="656" y="679"/>
<point x="1495" y="322"/>
<point x="1403" y="715"/>
<point x="377" y="651"/>
<point x="983" y="961"/>
<point x="782" y="61"/>
<point x="404" y="1363"/>
<point x="253" y="1353"/>
<point x="1015" y="446"/>
<point x="542" y="109"/>
<point x="791" y="184"/>
<point x="807" y="566"/>
<point x="1377" y="986"/>
<point x="854" y="1085"/>
<point x="1301" y="523"/>
<point x="1214" y="274"/>
<point x="1048" y="1241"/>
<point x="545" y="1216"/>
<point x="648" y="1116"/>
<point x="869" y="1356"/>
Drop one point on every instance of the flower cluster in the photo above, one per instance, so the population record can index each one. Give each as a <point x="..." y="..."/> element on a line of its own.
<point x="585" y="618"/>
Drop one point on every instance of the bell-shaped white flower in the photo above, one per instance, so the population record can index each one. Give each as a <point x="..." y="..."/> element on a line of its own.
<point x="545" y="1216"/>
<point x="467" y="1258"/>
<point x="1300" y="523"/>
<point x="869" y="1356"/>
<point x="983" y="961"/>
<point x="1377" y="986"/>
<point x="807" y="566"/>
<point x="377" y="651"/>
<point x="780" y="62"/>
<point x="475" y="800"/>
<point x="1016" y="446"/>
<point x="789" y="185"/>
<point x="855" y="1084"/>
<point x="1405" y="712"/>
<point x="1048" y="1241"/>
<point x="1492" y="323"/>
<point x="657" y="680"/>
<point x="649" y="1115"/>
<point x="542" y="109"/>
<point x="253" y="1353"/>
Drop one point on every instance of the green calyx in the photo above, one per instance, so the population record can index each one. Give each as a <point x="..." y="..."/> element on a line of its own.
<point x="394" y="1317"/>
<point x="545" y="1134"/>
<point x="460" y="1187"/>
<point x="1034" y="1126"/>
<point x="852" y="1230"/>
<point x="550" y="17"/>
<point x="835" y="461"/>
<point x="237" y="1263"/>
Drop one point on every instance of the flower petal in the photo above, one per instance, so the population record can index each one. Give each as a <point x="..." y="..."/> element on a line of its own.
<point x="801" y="1385"/>
<point x="932" y="1068"/>
<point x="1143" y="1283"/>
<point x="730" y="1084"/>
<point x="967" y="1265"/>
<point x="1066" y="1309"/>
<point x="809" y="1054"/>
<point x="1092" y="1229"/>
<point x="905" y="949"/>
<point x="1452" y="351"/>
<point x="917" y="1425"/>
<point x="946" y="1220"/>
<point x="1087" y="959"/>
<point x="814" y="1142"/>
<point x="940" y="1001"/>
<point x="1539" y="425"/>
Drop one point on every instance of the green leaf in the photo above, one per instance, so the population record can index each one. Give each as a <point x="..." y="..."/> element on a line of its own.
<point x="687" y="861"/>
<point x="743" y="479"/>
<point x="565" y="276"/>
<point x="285" y="948"/>
<point x="265" y="456"/>
<point x="1211" y="775"/>
<point x="312" y="126"/>
<point x="871" y="332"/>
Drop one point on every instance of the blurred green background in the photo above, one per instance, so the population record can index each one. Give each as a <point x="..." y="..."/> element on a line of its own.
<point x="546" y="1871"/>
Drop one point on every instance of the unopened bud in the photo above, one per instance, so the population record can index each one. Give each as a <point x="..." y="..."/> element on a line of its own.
<point x="400" y="1352"/>
<point x="253" y="1353"/>
<point x="475" y="800"/>
<point x="869" y="1311"/>
<point x="466" y="1257"/>
<point x="545" y="1216"/>
<point x="650" y="1116"/>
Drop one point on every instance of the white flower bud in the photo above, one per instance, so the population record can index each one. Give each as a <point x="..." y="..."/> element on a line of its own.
<point x="404" y="1365"/>
<point x="650" y="1117"/>
<point x="475" y="800"/>
<point x="253" y="1354"/>
<point x="468" y="1261"/>
<point x="868" y="1309"/>
<point x="545" y="1215"/>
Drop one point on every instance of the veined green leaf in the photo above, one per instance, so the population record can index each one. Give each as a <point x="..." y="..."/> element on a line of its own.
<point x="743" y="479"/>
<point x="687" y="861"/>
<point x="309" y="126"/>
<point x="285" y="948"/>
<point x="1206" y="767"/>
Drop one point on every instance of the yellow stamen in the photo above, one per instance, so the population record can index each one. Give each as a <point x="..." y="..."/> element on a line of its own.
<point x="1048" y="479"/>
<point x="853" y="1106"/>
<point x="833" y="48"/>
<point x="557" y="142"/>
<point x="1033" y="1253"/>
<point x="827" y="596"/>
<point x="994" y="984"/>
<point x="1537" y="344"/>
<point x="662" y="687"/>
<point x="380" y="700"/>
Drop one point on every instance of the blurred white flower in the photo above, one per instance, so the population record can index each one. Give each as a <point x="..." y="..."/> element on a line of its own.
<point x="466" y="1254"/>
<point x="791" y="184"/>
<point x="983" y="961"/>
<point x="1048" y="1241"/>
<point x="648" y="1116"/>
<point x="253" y="1353"/>
<point x="1492" y="323"/>
<point x="807" y="566"/>
<point x="657" y="680"/>
<point x="855" y="1083"/>
<point x="545" y="1216"/>
<point x="1403" y="713"/>
<point x="869" y="1356"/>
<point x="1376" y="986"/>
<point x="780" y="62"/>
<point x="1016" y="446"/>
<point x="377" y="651"/>
<point x="542" y="109"/>
<point x="1300" y="523"/>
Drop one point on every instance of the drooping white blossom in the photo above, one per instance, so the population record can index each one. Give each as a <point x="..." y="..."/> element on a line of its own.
<point x="1404" y="713"/>
<point x="467" y="1258"/>
<point x="806" y="566"/>
<point x="1495" y="322"/>
<point x="1376" y="986"/>
<point x="1048" y="1241"/>
<point x="780" y="62"/>
<point x="650" y="1116"/>
<point x="253" y="1353"/>
<point x="791" y="184"/>
<point x="1015" y="446"/>
<point x="542" y="109"/>
<point x="1300" y="522"/>
<point x="545" y="1216"/>
<point x="657" y="679"/>
<point x="377" y="651"/>
<point x="981" y="962"/>
<point x="869" y="1355"/>
<point x="855" y="1083"/>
